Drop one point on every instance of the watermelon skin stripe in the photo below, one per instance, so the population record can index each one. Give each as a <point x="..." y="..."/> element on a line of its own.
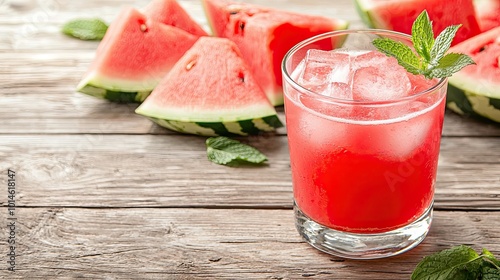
<point x="115" y="96"/>
<point x="273" y="121"/>
<point x="249" y="127"/>
<point x="365" y="16"/>
<point x="185" y="127"/>
<point x="474" y="105"/>
<point x="457" y="97"/>
<point x="252" y="127"/>
<point x="495" y="103"/>
<point x="218" y="128"/>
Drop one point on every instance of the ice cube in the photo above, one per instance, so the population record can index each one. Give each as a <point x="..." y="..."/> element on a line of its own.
<point x="395" y="141"/>
<point x="324" y="134"/>
<point x="315" y="73"/>
<point x="321" y="68"/>
<point x="372" y="58"/>
<point x="338" y="90"/>
<point x="404" y="137"/>
<point x="379" y="83"/>
<point x="417" y="106"/>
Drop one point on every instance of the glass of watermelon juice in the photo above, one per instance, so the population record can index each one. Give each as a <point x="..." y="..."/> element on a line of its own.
<point x="364" y="137"/>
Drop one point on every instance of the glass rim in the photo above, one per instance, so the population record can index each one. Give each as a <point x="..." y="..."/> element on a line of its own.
<point x="287" y="76"/>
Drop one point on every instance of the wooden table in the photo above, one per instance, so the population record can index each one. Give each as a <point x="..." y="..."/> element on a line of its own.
<point x="103" y="193"/>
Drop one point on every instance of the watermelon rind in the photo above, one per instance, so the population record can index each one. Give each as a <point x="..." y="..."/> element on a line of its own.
<point x="133" y="57"/>
<point x="232" y="128"/>
<point x="248" y="121"/>
<point x="113" y="95"/>
<point x="194" y="99"/>
<point x="114" y="90"/>
<point x="364" y="14"/>
<point x="472" y="103"/>
<point x="475" y="90"/>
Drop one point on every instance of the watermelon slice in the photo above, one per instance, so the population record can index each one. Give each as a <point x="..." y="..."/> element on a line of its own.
<point x="399" y="15"/>
<point x="487" y="13"/>
<point x="133" y="57"/>
<point x="475" y="90"/>
<point x="210" y="91"/>
<point x="264" y="35"/>
<point x="171" y="13"/>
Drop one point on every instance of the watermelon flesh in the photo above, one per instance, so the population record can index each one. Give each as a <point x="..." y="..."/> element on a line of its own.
<point x="487" y="13"/>
<point x="171" y="13"/>
<point x="134" y="55"/>
<point x="399" y="15"/>
<point x="264" y="35"/>
<point x="211" y="91"/>
<point x="475" y="90"/>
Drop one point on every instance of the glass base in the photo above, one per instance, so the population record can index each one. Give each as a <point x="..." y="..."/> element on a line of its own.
<point x="362" y="246"/>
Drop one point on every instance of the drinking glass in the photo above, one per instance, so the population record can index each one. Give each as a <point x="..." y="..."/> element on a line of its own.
<point x="363" y="170"/>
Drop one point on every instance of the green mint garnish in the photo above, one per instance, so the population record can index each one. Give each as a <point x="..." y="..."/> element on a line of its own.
<point x="489" y="273"/>
<point x="429" y="58"/>
<point x="460" y="262"/>
<point x="225" y="151"/>
<point x="85" y="29"/>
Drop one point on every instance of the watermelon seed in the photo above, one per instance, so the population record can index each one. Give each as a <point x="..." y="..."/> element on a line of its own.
<point x="144" y="28"/>
<point x="190" y="65"/>
<point x="242" y="26"/>
<point x="241" y="76"/>
<point x="234" y="9"/>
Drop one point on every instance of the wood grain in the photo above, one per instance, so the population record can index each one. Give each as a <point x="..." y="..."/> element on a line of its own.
<point x="209" y="244"/>
<point x="31" y="108"/>
<point x="40" y="69"/>
<point x="171" y="171"/>
<point x="103" y="193"/>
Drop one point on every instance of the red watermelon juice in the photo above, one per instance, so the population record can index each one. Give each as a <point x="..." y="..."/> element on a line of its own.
<point x="364" y="139"/>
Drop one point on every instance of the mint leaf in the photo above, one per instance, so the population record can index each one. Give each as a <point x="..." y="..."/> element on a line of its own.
<point x="423" y="36"/>
<point x="442" y="44"/>
<point x="85" y="29"/>
<point x="225" y="151"/>
<point x="404" y="55"/>
<point x="491" y="258"/>
<point x="430" y="58"/>
<point x="449" y="64"/>
<point x="460" y="262"/>
<point x="489" y="273"/>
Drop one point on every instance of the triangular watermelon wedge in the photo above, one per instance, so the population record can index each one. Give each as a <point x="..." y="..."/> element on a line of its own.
<point x="475" y="90"/>
<point x="264" y="35"/>
<point x="210" y="91"/>
<point x="133" y="57"/>
<point x="399" y="15"/>
<point x="170" y="12"/>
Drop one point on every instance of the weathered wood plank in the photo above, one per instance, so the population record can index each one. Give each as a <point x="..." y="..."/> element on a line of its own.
<point x="108" y="166"/>
<point x="67" y="243"/>
<point x="58" y="11"/>
<point x="50" y="112"/>
<point x="30" y="78"/>
<point x="35" y="25"/>
<point x="35" y="105"/>
<point x="169" y="171"/>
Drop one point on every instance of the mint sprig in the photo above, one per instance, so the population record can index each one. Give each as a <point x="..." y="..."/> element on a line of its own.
<point x="86" y="29"/>
<point x="225" y="151"/>
<point x="429" y="57"/>
<point x="460" y="262"/>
